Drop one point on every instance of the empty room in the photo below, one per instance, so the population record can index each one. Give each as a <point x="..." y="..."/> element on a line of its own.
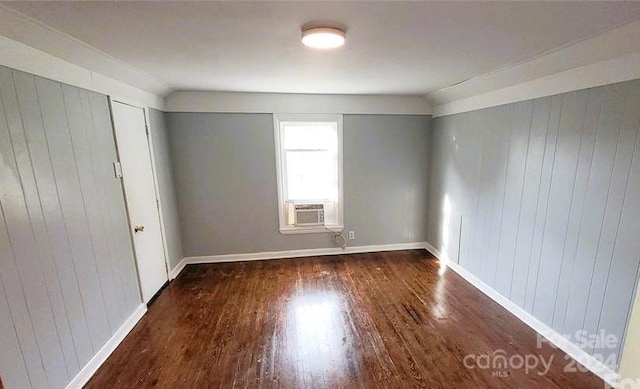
<point x="319" y="194"/>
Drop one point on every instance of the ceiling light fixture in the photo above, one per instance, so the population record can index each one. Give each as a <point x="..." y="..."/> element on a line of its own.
<point x="323" y="37"/>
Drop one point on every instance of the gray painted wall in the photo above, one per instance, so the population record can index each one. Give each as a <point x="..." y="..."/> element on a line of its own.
<point x="166" y="187"/>
<point x="548" y="192"/>
<point x="67" y="274"/>
<point x="225" y="175"/>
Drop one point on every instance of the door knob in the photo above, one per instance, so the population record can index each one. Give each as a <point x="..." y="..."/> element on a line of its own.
<point x="138" y="228"/>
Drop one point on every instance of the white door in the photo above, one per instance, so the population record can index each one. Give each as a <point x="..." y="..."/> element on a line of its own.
<point x="139" y="187"/>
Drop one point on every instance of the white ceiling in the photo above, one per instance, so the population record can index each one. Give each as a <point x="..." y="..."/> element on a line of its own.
<point x="392" y="47"/>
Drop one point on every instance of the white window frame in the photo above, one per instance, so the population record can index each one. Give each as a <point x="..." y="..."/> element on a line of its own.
<point x="282" y="208"/>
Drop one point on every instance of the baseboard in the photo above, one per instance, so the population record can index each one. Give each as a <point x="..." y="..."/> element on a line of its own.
<point x="90" y="368"/>
<point x="173" y="273"/>
<point x="292" y="254"/>
<point x="598" y="368"/>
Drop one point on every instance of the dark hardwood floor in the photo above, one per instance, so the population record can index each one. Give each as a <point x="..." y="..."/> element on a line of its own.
<point x="386" y="320"/>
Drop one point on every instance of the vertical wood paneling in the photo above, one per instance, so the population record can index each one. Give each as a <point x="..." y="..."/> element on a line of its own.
<point x="65" y="181"/>
<point x="487" y="139"/>
<point x="468" y="179"/>
<point x="76" y="161"/>
<point x="12" y="200"/>
<point x="90" y="150"/>
<point x="499" y="151"/>
<point x="46" y="251"/>
<point x="583" y="173"/>
<point x="24" y="243"/>
<point x="530" y="196"/>
<point x="59" y="239"/>
<point x="591" y="224"/>
<point x="604" y="159"/>
<point x="11" y="356"/>
<point x="103" y="149"/>
<point x="507" y="236"/>
<point x="570" y="214"/>
<point x="543" y="201"/>
<point x="93" y="151"/>
<point x="67" y="273"/>
<point x="559" y="208"/>
<point x="623" y="272"/>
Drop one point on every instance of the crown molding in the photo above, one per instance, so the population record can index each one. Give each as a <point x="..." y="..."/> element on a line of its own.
<point x="602" y="59"/>
<point x="602" y="73"/>
<point x="37" y="35"/>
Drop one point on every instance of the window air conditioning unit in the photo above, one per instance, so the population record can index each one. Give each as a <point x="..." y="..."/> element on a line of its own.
<point x="309" y="214"/>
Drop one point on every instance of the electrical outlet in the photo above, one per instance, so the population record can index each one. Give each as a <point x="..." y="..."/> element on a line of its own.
<point x="352" y="235"/>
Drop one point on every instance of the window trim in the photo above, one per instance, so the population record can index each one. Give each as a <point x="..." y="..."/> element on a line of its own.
<point x="285" y="229"/>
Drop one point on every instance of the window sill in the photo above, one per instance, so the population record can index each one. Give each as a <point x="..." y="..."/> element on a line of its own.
<point x="311" y="230"/>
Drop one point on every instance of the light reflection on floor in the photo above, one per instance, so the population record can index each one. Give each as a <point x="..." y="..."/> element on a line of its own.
<point x="315" y="335"/>
<point x="440" y="309"/>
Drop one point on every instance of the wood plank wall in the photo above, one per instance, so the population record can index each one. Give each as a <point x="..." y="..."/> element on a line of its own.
<point x="542" y="197"/>
<point x="67" y="273"/>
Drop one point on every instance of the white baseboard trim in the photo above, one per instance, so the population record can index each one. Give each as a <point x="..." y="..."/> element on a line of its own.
<point x="293" y="254"/>
<point x="173" y="273"/>
<point x="598" y="368"/>
<point x="90" y="368"/>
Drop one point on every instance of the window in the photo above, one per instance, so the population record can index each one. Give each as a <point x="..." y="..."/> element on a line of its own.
<point x="309" y="169"/>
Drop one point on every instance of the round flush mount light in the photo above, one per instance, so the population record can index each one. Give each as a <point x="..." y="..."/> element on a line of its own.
<point x="323" y="37"/>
